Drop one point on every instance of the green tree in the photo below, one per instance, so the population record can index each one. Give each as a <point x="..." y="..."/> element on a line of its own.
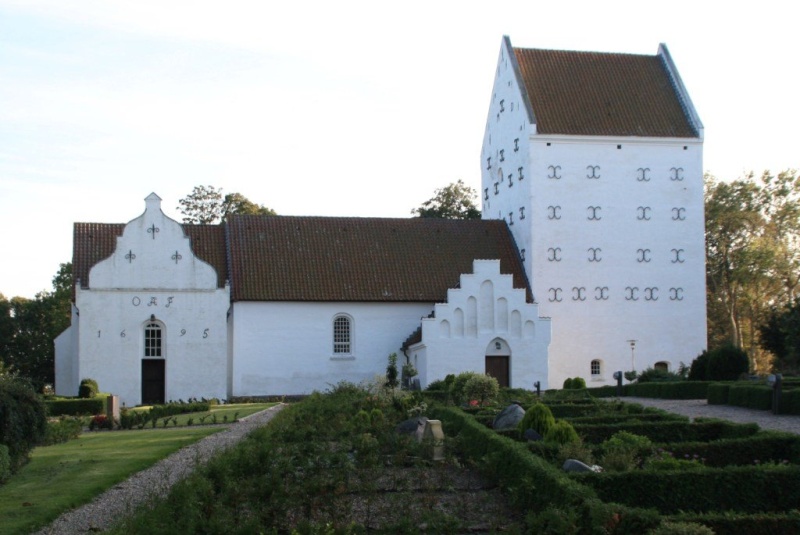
<point x="752" y="256"/>
<point x="36" y="322"/>
<point x="206" y="205"/>
<point x="454" y="201"/>
<point x="780" y="335"/>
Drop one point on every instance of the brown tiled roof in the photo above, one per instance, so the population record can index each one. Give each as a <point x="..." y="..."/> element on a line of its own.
<point x="92" y="242"/>
<point x="284" y="258"/>
<point x="591" y="93"/>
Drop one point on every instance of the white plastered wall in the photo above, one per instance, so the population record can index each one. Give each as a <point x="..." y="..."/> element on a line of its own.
<point x="287" y="347"/>
<point x="486" y="309"/>
<point x="153" y="275"/>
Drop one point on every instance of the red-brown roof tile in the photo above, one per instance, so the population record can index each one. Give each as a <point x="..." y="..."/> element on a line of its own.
<point x="275" y="258"/>
<point x="284" y="258"/>
<point x="591" y="93"/>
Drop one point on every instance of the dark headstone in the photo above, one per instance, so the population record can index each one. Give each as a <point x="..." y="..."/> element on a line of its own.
<point x="410" y="426"/>
<point x="531" y="435"/>
<point x="508" y="418"/>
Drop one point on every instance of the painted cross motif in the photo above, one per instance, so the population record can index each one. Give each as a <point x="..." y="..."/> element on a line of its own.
<point x="592" y="171"/>
<point x="176" y="257"/>
<point x="643" y="176"/>
<point x="130" y="257"/>
<point x="554" y="169"/>
<point x="676" y="294"/>
<point x="153" y="230"/>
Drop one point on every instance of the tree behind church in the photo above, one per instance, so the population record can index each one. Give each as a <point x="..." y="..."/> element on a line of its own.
<point x="206" y="205"/>
<point x="28" y="328"/>
<point x="454" y="201"/>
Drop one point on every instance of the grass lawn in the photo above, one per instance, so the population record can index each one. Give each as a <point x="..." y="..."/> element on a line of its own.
<point x="67" y="475"/>
<point x="239" y="410"/>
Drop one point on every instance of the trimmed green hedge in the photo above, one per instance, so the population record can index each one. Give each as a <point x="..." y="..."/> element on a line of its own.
<point x="668" y="432"/>
<point x="555" y="503"/>
<point x="718" y="393"/>
<point x="730" y="523"/>
<point x="766" y="446"/>
<point x="621" y="418"/>
<point x="76" y="406"/>
<point x="669" y="390"/>
<point x="790" y="402"/>
<point x="745" y="489"/>
<point x="537" y="484"/>
<point x="750" y="396"/>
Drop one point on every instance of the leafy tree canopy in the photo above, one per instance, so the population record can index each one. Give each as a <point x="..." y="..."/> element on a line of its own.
<point x="455" y="201"/>
<point x="206" y="205"/>
<point x="28" y="328"/>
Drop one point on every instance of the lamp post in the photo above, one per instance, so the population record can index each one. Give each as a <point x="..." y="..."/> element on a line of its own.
<point x="633" y="354"/>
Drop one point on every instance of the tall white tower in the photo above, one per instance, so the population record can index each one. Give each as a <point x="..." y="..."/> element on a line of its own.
<point x="595" y="162"/>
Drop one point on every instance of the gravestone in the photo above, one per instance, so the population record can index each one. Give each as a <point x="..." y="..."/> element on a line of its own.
<point x="434" y="436"/>
<point x="531" y="435"/>
<point x="112" y="408"/>
<point x="508" y="418"/>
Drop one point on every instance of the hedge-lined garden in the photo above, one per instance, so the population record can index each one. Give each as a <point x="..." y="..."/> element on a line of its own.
<point x="658" y="470"/>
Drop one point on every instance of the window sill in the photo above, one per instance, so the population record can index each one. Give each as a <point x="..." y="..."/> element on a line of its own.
<point x="343" y="357"/>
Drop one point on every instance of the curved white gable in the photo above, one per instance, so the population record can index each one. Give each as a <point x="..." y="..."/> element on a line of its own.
<point x="153" y="253"/>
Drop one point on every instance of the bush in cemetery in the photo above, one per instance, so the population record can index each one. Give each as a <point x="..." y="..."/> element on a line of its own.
<point x="458" y="384"/>
<point x="727" y="363"/>
<point x="483" y="388"/>
<point x="88" y="389"/>
<point x="5" y="463"/>
<point x="698" y="370"/>
<point x="562" y="432"/>
<point x="23" y="421"/>
<point x="539" y="418"/>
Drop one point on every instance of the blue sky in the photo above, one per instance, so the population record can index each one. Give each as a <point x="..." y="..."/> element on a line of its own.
<point x="324" y="108"/>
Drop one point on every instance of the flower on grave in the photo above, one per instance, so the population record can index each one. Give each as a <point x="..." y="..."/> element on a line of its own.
<point x="473" y="403"/>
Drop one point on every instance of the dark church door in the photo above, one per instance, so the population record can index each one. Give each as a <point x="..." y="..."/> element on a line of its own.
<point x="152" y="381"/>
<point x="497" y="367"/>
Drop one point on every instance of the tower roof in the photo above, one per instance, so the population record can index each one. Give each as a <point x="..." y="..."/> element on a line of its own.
<point x="603" y="94"/>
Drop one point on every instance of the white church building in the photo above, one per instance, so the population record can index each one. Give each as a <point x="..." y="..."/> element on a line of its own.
<point x="589" y="259"/>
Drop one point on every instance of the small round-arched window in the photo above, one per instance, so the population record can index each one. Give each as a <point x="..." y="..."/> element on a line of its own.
<point x="661" y="366"/>
<point x="342" y="335"/>
<point x="595" y="368"/>
<point x="152" y="340"/>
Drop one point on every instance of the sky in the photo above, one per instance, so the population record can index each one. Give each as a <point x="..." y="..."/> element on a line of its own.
<point x="325" y="108"/>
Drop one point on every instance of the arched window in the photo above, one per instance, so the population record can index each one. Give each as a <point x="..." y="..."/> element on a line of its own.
<point x="595" y="368"/>
<point x="661" y="366"/>
<point x="342" y="335"/>
<point x="152" y="341"/>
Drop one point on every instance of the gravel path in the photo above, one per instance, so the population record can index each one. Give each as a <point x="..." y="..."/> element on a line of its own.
<point x="695" y="408"/>
<point x="122" y="499"/>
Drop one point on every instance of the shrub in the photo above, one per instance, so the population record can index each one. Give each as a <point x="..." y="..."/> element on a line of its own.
<point x="483" y="388"/>
<point x="625" y="441"/>
<point x="727" y="363"/>
<point x="562" y="432"/>
<point x="651" y="375"/>
<point x="750" y="396"/>
<point x="699" y="368"/>
<point x="22" y="419"/>
<point x="5" y="463"/>
<point x="619" y="460"/>
<point x="88" y="389"/>
<point x="62" y="430"/>
<point x="75" y="406"/>
<point x="681" y="528"/>
<point x="539" y="418"/>
<point x="575" y="450"/>
<point x="457" y="386"/>
<point x="101" y="421"/>
<point x="574" y="383"/>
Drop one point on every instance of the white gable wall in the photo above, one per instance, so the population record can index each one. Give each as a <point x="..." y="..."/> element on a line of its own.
<point x="287" y="347"/>
<point x="486" y="310"/>
<point x="152" y="275"/>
